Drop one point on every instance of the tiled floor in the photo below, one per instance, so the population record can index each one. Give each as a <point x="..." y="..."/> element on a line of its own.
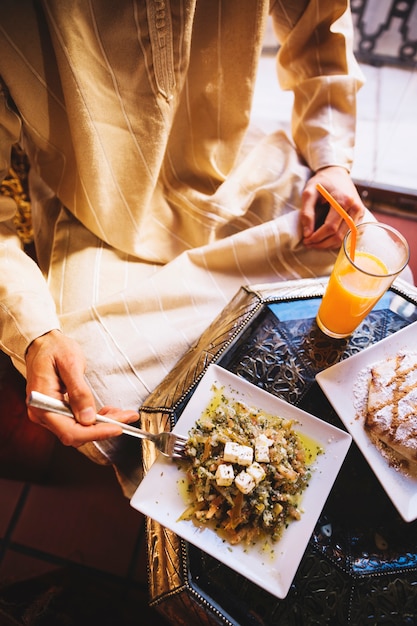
<point x="72" y="538"/>
<point x="72" y="550"/>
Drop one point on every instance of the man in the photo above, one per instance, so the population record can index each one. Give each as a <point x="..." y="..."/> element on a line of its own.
<point x="150" y="206"/>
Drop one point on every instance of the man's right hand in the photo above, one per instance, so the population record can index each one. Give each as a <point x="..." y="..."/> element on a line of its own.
<point x="55" y="366"/>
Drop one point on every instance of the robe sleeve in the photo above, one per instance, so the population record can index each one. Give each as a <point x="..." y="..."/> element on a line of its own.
<point x="27" y="309"/>
<point x="316" y="62"/>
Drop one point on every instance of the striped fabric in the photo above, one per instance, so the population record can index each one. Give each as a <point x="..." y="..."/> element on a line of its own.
<point x="152" y="203"/>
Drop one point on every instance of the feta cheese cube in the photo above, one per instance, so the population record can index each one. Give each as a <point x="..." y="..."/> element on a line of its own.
<point x="262" y="443"/>
<point x="236" y="453"/>
<point x="256" y="471"/>
<point x="263" y="440"/>
<point x="244" y="482"/>
<point x="245" y="455"/>
<point x="231" y="452"/>
<point x="224" y="475"/>
<point x="261" y="453"/>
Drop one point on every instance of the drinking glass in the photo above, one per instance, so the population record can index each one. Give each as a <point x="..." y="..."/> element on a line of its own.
<point x="355" y="285"/>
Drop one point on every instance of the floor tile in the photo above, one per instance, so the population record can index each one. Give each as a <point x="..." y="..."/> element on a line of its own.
<point x="10" y="492"/>
<point x="70" y="596"/>
<point x="16" y="567"/>
<point x="25" y="447"/>
<point x="86" y="521"/>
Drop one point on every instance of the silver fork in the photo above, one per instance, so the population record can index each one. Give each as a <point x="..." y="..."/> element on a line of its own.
<point x="169" y="444"/>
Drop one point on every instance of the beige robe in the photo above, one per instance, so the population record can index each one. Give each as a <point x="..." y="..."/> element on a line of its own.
<point x="152" y="203"/>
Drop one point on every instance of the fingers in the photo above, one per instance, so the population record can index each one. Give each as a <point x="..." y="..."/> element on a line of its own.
<point x="322" y="226"/>
<point x="55" y="366"/>
<point x="72" y="433"/>
<point x="69" y="431"/>
<point x="126" y="416"/>
<point x="308" y="211"/>
<point x="328" y="232"/>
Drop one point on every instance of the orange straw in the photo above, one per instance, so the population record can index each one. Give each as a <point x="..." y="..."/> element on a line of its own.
<point x="342" y="214"/>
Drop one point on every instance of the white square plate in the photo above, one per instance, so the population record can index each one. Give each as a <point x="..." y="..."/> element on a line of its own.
<point x="159" y="495"/>
<point x="342" y="385"/>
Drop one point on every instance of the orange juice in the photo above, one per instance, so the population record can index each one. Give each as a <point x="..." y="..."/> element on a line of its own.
<point x="351" y="294"/>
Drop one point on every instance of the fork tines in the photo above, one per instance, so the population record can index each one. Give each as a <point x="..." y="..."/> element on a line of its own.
<point x="179" y="447"/>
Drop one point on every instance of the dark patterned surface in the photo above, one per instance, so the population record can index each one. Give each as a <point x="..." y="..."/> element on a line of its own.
<point x="360" y="566"/>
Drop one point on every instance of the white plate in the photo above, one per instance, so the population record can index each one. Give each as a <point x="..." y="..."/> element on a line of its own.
<point x="160" y="498"/>
<point x="342" y="385"/>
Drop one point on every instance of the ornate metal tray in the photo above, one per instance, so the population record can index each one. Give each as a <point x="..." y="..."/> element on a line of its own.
<point x="360" y="566"/>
